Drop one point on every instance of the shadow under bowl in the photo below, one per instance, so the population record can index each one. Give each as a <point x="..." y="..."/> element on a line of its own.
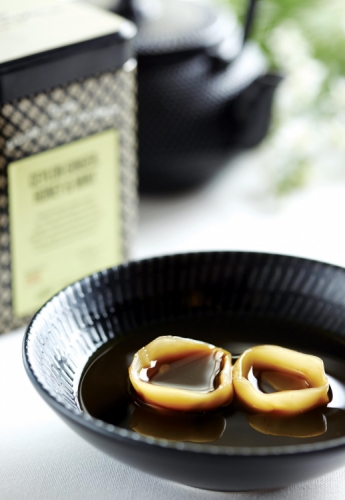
<point x="260" y="298"/>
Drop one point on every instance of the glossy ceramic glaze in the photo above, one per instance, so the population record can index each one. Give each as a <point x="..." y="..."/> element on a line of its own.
<point x="87" y="315"/>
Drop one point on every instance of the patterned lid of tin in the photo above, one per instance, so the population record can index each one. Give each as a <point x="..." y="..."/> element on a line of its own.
<point x="49" y="42"/>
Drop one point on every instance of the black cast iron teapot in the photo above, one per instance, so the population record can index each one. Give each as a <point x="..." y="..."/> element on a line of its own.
<point x="204" y="91"/>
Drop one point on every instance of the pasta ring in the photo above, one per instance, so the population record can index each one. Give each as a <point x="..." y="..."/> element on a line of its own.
<point x="166" y="348"/>
<point x="288" y="402"/>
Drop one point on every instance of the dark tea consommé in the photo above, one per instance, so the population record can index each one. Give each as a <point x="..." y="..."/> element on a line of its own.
<point x="105" y="391"/>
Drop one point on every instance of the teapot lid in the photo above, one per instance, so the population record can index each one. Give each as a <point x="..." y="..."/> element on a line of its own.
<point x="183" y="25"/>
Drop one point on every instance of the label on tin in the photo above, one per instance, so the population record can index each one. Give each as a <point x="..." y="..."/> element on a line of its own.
<point x="65" y="217"/>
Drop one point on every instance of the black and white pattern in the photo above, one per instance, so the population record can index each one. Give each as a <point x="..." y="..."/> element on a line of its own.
<point x="59" y="116"/>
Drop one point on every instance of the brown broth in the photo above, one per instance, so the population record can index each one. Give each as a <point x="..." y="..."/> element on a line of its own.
<point x="105" y="391"/>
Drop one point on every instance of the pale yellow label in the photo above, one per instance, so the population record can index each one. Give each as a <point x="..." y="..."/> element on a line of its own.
<point x="65" y="217"/>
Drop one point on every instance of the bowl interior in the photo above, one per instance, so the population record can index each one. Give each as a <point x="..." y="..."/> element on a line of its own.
<point x="235" y="298"/>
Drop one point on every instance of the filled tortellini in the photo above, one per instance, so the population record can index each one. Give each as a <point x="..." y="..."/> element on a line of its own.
<point x="182" y="374"/>
<point x="192" y="376"/>
<point x="313" y="391"/>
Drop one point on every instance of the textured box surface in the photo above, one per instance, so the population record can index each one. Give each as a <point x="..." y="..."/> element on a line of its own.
<point x="99" y="110"/>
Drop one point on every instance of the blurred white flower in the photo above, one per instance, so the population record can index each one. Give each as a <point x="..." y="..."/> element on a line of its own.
<point x="298" y="135"/>
<point x="337" y="93"/>
<point x="307" y="140"/>
<point x="288" y="46"/>
<point x="306" y="145"/>
<point x="301" y="87"/>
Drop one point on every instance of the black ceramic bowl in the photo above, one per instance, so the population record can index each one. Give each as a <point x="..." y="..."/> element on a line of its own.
<point x="269" y="298"/>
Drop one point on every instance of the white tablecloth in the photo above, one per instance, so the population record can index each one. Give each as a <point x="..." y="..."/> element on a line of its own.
<point x="41" y="458"/>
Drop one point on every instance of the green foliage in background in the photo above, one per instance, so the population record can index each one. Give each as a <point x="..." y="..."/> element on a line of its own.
<point x="305" y="39"/>
<point x="321" y="21"/>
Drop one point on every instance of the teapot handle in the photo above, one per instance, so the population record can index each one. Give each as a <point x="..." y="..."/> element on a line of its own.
<point x="135" y="11"/>
<point x="225" y="53"/>
<point x="249" y="19"/>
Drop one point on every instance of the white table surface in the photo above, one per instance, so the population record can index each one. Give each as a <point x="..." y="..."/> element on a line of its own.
<point x="41" y="458"/>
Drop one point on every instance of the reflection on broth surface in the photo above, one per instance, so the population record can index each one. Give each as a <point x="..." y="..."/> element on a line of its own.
<point x="105" y="391"/>
<point x="177" y="426"/>
<point x="305" y="425"/>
